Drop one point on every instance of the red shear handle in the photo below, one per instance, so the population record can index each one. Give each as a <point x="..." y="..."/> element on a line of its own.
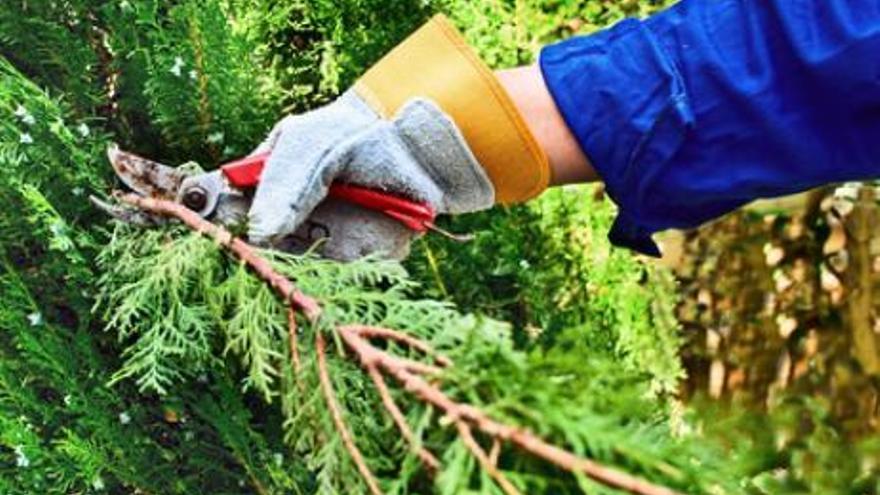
<point x="416" y="216"/>
<point x="245" y="173"/>
<point x="419" y="217"/>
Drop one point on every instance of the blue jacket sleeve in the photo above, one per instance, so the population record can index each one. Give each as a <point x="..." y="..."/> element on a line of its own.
<point x="710" y="104"/>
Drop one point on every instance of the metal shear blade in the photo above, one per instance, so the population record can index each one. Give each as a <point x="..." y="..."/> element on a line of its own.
<point x="146" y="177"/>
<point x="127" y="214"/>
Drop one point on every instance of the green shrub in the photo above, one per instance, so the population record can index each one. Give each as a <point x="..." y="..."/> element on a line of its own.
<point x="176" y="381"/>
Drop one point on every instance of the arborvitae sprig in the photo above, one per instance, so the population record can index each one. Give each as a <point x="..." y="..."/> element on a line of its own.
<point x="76" y="73"/>
<point x="203" y="66"/>
<point x="162" y="299"/>
<point x="625" y="305"/>
<point x="62" y="429"/>
<point x="575" y="397"/>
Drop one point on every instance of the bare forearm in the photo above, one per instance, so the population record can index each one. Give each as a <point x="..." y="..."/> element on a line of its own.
<point x="526" y="87"/>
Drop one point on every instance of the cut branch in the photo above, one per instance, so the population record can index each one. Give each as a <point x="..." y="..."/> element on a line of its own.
<point x="377" y="361"/>
<point x="495" y="452"/>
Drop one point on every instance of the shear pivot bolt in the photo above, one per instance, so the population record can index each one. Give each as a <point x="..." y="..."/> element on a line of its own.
<point x="195" y="198"/>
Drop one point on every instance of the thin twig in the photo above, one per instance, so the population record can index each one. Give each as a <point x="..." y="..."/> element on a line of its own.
<point x="418" y="367"/>
<point x="430" y="462"/>
<point x="495" y="451"/>
<point x="370" y="332"/>
<point x="464" y="431"/>
<point x="293" y="343"/>
<point x="336" y="413"/>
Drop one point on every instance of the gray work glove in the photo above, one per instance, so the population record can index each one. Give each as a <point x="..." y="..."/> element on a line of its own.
<point x="418" y="154"/>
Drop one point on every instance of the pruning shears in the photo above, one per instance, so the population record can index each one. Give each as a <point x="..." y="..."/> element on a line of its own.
<point x="224" y="195"/>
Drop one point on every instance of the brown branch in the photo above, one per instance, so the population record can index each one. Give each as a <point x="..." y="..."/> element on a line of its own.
<point x="418" y="367"/>
<point x="464" y="431"/>
<point x="355" y="337"/>
<point x="371" y="356"/>
<point x="495" y="452"/>
<point x="370" y="332"/>
<point x="336" y="413"/>
<point x="428" y="460"/>
<point x="293" y="343"/>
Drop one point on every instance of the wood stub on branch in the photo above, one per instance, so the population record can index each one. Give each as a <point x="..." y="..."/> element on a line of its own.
<point x="410" y="374"/>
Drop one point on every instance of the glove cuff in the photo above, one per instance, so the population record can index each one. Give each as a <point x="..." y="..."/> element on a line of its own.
<point x="436" y="63"/>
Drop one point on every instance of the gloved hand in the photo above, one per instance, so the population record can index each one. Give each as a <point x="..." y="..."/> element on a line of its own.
<point x="429" y="122"/>
<point x="418" y="154"/>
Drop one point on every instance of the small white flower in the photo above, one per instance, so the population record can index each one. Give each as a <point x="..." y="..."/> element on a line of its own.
<point x="524" y="264"/>
<point x="35" y="318"/>
<point x="25" y="138"/>
<point x="124" y="5"/>
<point x="22" y="113"/>
<point x="98" y="483"/>
<point x="124" y="418"/>
<point x="177" y="68"/>
<point x="215" y="138"/>
<point x="193" y="75"/>
<point x="21" y="460"/>
<point x="278" y="458"/>
<point x="83" y="130"/>
<point x="57" y="228"/>
<point x="68" y="399"/>
<point x="77" y="191"/>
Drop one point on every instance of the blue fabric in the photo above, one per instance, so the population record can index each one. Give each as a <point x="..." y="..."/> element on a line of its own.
<point x="713" y="103"/>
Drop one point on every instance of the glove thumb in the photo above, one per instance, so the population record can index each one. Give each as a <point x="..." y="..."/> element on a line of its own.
<point x="294" y="180"/>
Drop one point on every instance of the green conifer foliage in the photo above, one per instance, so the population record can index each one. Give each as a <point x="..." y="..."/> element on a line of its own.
<point x="622" y="303"/>
<point x="178" y="305"/>
<point x="62" y="429"/>
<point x="204" y="80"/>
<point x="149" y="361"/>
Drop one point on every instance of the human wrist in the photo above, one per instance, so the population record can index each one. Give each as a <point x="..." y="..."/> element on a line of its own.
<point x="526" y="88"/>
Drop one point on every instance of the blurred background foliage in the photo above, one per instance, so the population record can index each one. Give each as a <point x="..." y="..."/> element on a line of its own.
<point x="771" y="309"/>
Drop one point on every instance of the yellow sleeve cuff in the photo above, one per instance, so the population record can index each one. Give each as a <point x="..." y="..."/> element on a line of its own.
<point x="436" y="63"/>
